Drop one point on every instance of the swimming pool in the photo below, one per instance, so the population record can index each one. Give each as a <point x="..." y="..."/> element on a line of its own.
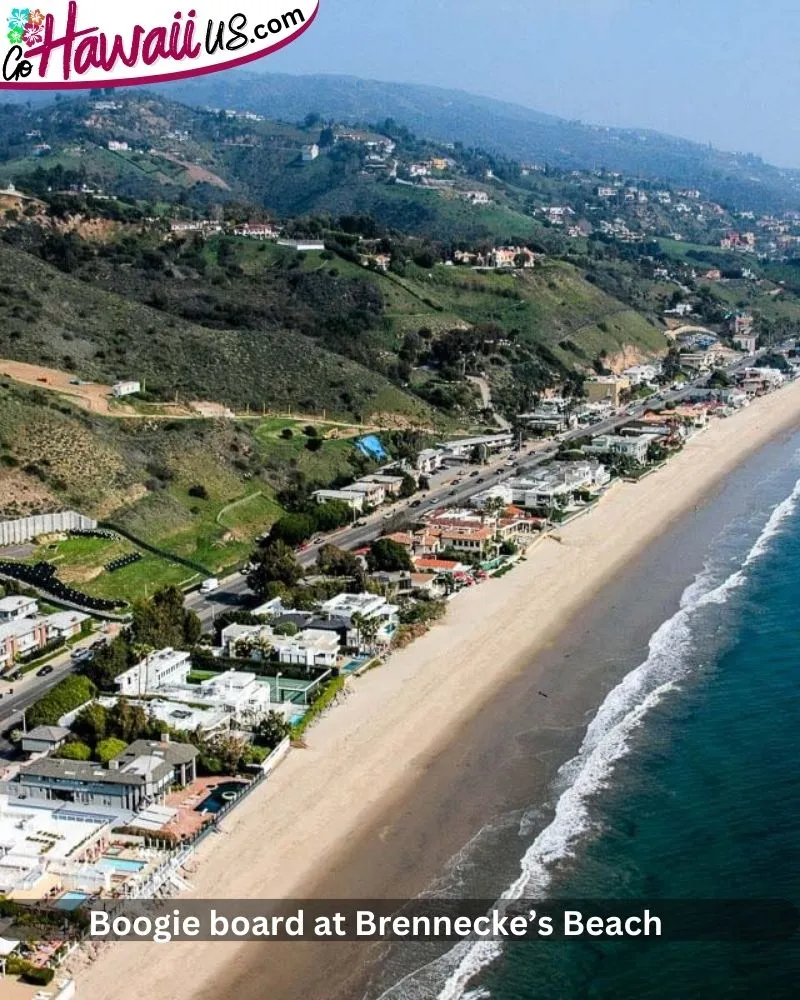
<point x="221" y="796"/>
<point x="71" y="900"/>
<point x="121" y="864"/>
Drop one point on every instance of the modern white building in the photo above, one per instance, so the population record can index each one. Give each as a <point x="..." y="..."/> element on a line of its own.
<point x="310" y="648"/>
<point x="617" y="444"/>
<point x="368" y="607"/>
<point x="165" y="668"/>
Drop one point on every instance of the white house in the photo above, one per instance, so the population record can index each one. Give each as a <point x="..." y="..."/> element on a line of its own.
<point x="126" y="388"/>
<point x="310" y="648"/>
<point x="238" y="691"/>
<point x="118" y="146"/>
<point x="617" y="444"/>
<point x="309" y="152"/>
<point x="352" y="498"/>
<point x="369" y="607"/>
<point x="16" y="606"/>
<point x="374" y="493"/>
<point x="165" y="668"/>
<point x="64" y="624"/>
<point x="429" y="460"/>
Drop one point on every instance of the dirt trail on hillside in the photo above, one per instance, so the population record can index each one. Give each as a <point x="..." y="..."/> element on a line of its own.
<point x="91" y="395"/>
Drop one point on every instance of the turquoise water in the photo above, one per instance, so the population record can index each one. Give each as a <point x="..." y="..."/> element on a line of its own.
<point x="121" y="864"/>
<point x="71" y="900"/>
<point x="686" y="786"/>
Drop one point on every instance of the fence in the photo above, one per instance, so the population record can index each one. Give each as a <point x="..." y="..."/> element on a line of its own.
<point x="24" y="529"/>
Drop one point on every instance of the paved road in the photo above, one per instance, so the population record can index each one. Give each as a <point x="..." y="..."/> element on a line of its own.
<point x="233" y="591"/>
<point x="16" y="696"/>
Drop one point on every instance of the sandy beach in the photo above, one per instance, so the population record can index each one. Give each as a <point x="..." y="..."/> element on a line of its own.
<point x="290" y="837"/>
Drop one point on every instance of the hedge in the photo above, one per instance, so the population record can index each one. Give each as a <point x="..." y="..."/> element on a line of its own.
<point x="66" y="696"/>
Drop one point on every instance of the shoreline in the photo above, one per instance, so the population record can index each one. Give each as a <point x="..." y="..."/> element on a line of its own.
<point x="293" y="837"/>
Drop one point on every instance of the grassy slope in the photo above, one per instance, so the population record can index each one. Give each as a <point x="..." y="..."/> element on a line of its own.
<point x="138" y="474"/>
<point x="47" y="317"/>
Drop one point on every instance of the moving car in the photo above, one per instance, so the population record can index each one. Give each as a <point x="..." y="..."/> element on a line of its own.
<point x="45" y="670"/>
<point x="209" y="585"/>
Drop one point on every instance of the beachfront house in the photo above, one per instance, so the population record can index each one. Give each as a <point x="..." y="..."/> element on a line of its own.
<point x="634" y="447"/>
<point x="310" y="648"/>
<point x="143" y="773"/>
<point x="360" y="610"/>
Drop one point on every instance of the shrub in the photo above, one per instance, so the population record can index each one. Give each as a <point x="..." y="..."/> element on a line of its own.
<point x="65" y="697"/>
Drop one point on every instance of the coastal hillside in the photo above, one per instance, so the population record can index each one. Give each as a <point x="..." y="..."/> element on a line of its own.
<point x="509" y="129"/>
<point x="52" y="318"/>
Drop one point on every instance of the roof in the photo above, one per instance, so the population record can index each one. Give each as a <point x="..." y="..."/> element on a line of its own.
<point x="437" y="565"/>
<point x="51" y="734"/>
<point x="401" y="537"/>
<point x="78" y="770"/>
<point x="16" y="601"/>
<point x="172" y="753"/>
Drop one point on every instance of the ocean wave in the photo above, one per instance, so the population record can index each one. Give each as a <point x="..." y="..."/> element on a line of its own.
<point x="607" y="739"/>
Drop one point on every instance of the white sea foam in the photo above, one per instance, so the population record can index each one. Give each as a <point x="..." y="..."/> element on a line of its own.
<point x="607" y="739"/>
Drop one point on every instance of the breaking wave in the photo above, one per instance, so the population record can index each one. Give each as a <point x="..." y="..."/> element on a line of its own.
<point x="607" y="739"/>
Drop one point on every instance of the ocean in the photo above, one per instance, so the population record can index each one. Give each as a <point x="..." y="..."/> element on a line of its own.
<point x="686" y="785"/>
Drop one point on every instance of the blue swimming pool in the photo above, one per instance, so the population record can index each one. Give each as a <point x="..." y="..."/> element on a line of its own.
<point x="121" y="864"/>
<point x="71" y="900"/>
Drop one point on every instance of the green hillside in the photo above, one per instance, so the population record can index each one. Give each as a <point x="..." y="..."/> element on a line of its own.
<point x="50" y="318"/>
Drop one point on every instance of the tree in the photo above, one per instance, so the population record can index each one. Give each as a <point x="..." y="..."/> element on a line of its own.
<point x="109" y="748"/>
<point x="408" y="487"/>
<point x="333" y="561"/>
<point x="108" y="663"/>
<point x="162" y="621"/>
<point x="293" y="529"/>
<point x="74" y="750"/>
<point x="314" y="444"/>
<point x="127" y="722"/>
<point x="91" y="724"/>
<point x="272" y="730"/>
<point x="388" y="556"/>
<point x="274" y="563"/>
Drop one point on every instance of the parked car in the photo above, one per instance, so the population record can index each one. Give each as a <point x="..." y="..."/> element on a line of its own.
<point x="45" y="670"/>
<point x="415" y="503"/>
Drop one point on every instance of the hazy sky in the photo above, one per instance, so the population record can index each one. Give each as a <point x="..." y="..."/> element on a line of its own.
<point x="720" y="71"/>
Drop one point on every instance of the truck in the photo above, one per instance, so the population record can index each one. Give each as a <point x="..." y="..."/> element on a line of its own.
<point x="208" y="585"/>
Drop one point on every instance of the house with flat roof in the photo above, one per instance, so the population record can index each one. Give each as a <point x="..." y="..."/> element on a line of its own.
<point x="353" y="498"/>
<point x="366" y="607"/>
<point x="309" y="648"/>
<point x="17" y="606"/>
<point x="618" y="444"/>
<point x="156" y="671"/>
<point x="21" y="637"/>
<point x="606" y="389"/>
<point x="64" y="624"/>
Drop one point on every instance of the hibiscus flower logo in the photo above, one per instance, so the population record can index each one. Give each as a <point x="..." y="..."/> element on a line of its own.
<point x="36" y="17"/>
<point x="16" y="24"/>
<point x="32" y="34"/>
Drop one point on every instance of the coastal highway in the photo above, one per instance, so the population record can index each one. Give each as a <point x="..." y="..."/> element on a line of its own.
<point x="16" y="696"/>
<point x="452" y="487"/>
